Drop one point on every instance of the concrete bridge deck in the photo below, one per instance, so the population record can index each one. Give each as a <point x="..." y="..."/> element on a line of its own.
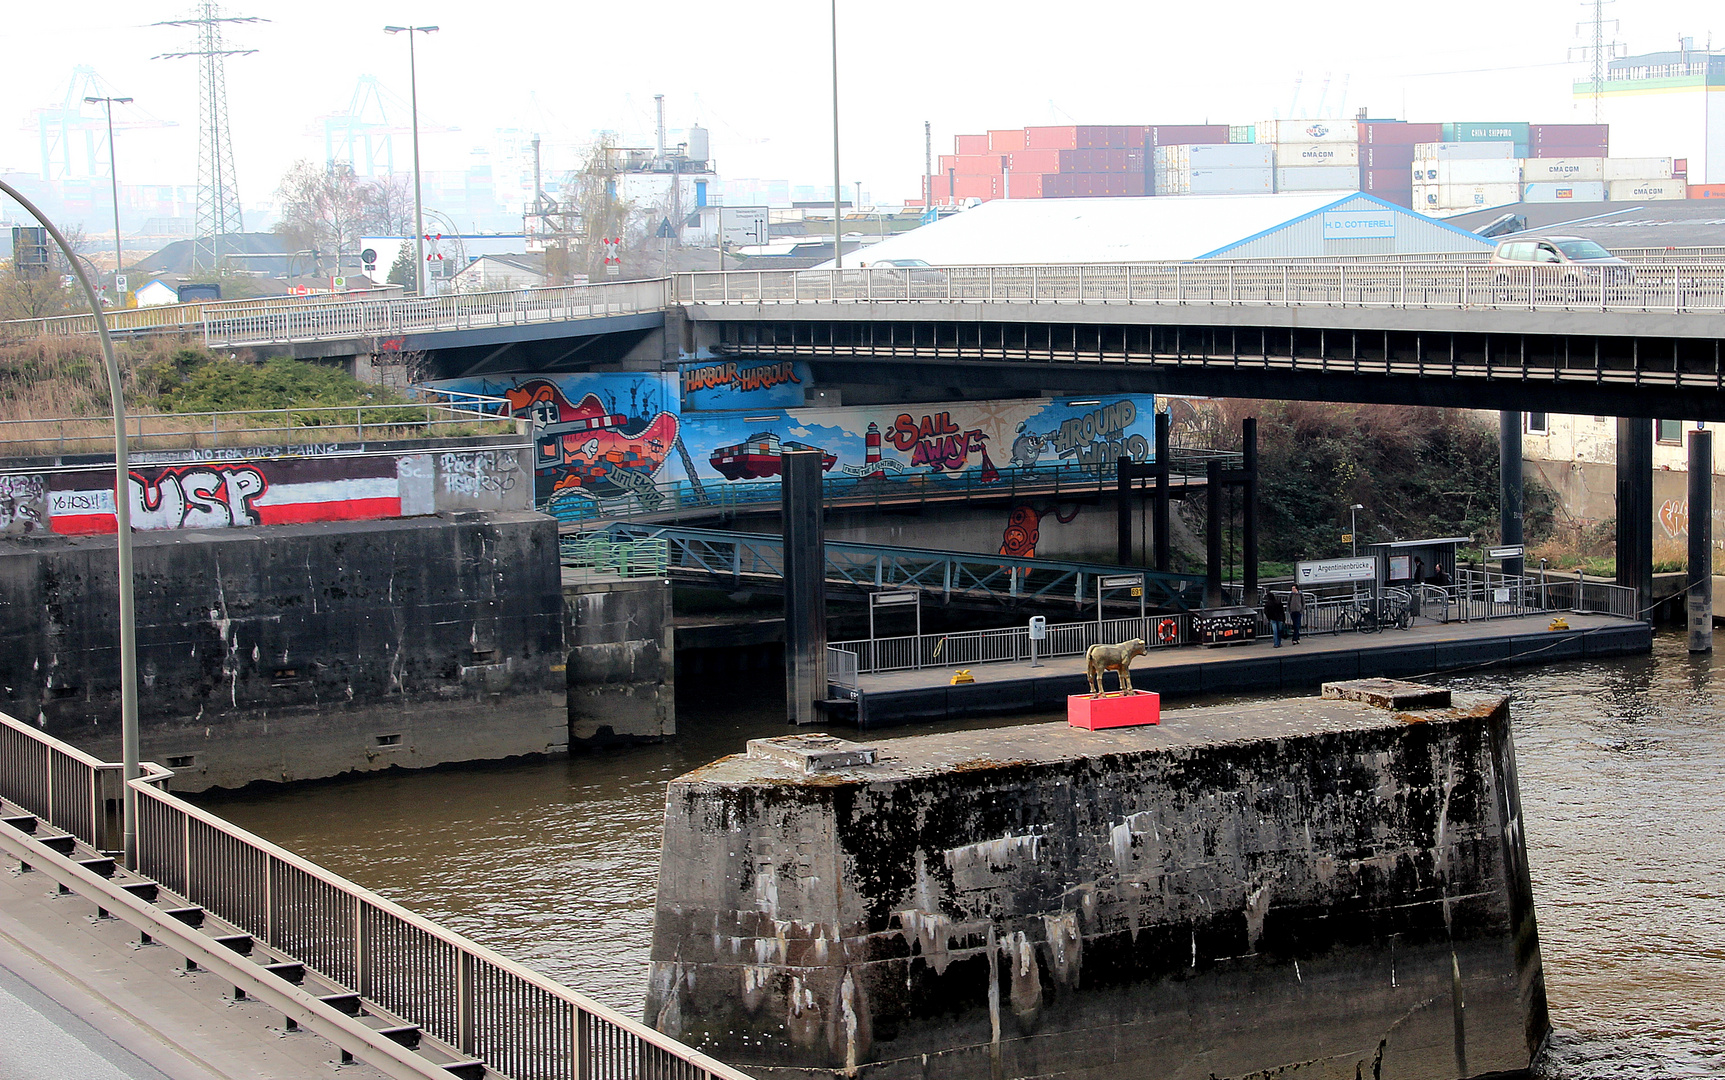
<point x="1427" y="648"/>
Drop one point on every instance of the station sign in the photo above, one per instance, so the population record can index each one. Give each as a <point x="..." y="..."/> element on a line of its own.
<point x="891" y="599"/>
<point x="1322" y="571"/>
<point x="1121" y="581"/>
<point x="1509" y="551"/>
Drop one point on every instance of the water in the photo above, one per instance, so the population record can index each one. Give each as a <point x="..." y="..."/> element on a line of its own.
<point x="1623" y="784"/>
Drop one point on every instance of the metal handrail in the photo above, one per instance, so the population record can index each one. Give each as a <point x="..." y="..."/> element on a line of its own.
<point x="1006" y="644"/>
<point x="735" y="555"/>
<point x="435" y="413"/>
<point x="520" y="1023"/>
<point x="278" y="320"/>
<point x="690" y="496"/>
<point x="1651" y="287"/>
<point x="600" y="555"/>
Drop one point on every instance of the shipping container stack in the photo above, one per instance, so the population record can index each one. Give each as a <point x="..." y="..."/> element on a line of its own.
<point x="1387" y="157"/>
<point x="1435" y="168"/>
<point x="1314" y="155"/>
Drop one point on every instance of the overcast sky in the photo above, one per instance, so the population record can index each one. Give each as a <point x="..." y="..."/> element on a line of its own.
<point x="758" y="75"/>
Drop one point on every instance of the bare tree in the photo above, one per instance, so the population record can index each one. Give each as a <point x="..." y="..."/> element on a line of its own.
<point x="42" y="293"/>
<point x="321" y="208"/>
<point x="386" y="206"/>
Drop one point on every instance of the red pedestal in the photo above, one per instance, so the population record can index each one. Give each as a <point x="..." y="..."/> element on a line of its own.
<point x="1114" y="710"/>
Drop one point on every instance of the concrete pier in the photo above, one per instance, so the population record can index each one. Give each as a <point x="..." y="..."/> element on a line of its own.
<point x="1323" y="886"/>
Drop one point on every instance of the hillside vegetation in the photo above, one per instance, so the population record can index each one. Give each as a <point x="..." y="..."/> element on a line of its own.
<point x="1417" y="472"/>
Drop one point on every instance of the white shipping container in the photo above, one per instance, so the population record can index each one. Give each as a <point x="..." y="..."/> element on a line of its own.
<point x="1308" y="131"/>
<point x="1293" y="155"/>
<point x="1462" y="196"/>
<point x="1535" y="169"/>
<point x="1226" y="181"/>
<point x="1226" y="156"/>
<point x="1646" y="190"/>
<point x="1554" y="191"/>
<point x="1467" y="172"/>
<point x="1318" y="178"/>
<point x="1637" y="168"/>
<point x="1462" y="151"/>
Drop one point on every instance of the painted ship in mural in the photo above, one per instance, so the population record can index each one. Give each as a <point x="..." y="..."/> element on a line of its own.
<point x="588" y="448"/>
<point x="757" y="457"/>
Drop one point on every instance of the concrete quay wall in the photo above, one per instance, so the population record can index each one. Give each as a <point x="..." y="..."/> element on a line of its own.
<point x="292" y="652"/>
<point x="622" y="661"/>
<point x="1303" y="887"/>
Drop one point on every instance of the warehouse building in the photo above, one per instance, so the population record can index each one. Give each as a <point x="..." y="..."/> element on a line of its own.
<point x="1131" y="230"/>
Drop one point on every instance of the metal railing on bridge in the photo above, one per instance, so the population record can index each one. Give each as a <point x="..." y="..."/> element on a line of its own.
<point x="280" y="320"/>
<point x="596" y="556"/>
<point x="1690" y="287"/>
<point x="522" y="1025"/>
<point x="436" y="414"/>
<point x="739" y="556"/>
<point x="673" y="498"/>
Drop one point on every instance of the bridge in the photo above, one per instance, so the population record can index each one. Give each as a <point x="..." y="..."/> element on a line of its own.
<point x="1643" y="341"/>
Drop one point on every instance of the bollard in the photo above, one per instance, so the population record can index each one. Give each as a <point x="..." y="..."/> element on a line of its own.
<point x="1699" y="600"/>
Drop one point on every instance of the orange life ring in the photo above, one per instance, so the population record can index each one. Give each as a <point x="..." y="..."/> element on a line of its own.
<point x="1167" y="632"/>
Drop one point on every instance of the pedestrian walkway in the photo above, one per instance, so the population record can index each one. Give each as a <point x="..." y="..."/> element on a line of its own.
<point x="81" y="999"/>
<point x="1424" y="649"/>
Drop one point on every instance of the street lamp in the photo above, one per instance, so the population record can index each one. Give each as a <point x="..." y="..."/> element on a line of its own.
<point x="1354" y="525"/>
<point x="122" y="544"/>
<point x="108" y="104"/>
<point x="838" y="186"/>
<point x="413" y="107"/>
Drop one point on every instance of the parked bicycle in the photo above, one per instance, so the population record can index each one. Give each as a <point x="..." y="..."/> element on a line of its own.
<point x="1371" y="616"/>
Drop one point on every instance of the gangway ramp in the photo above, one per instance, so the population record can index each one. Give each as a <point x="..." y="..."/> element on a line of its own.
<point x="741" y="557"/>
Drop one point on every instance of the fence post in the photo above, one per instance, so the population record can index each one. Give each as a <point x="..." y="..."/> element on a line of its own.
<point x="464" y="1039"/>
<point x="361" y="950"/>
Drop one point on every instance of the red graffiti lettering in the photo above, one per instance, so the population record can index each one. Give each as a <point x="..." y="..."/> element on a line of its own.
<point x="906" y="431"/>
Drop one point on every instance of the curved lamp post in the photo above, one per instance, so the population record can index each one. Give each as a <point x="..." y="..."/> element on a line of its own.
<point x="123" y="537"/>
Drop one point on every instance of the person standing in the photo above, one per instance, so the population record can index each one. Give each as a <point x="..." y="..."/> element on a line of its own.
<point x="1296" y="611"/>
<point x="1276" y="614"/>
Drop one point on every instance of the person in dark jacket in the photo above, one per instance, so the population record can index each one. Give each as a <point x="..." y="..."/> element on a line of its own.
<point x="1276" y="614"/>
<point x="1296" y="611"/>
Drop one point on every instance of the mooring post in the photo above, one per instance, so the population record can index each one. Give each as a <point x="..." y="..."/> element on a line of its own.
<point x="805" y="585"/>
<point x="1635" y="511"/>
<point x="1510" y="488"/>
<point x="1700" y="598"/>
<point x="1159" y="512"/>
<point x="1213" y="534"/>
<point x="1249" y="532"/>
<point x="1123" y="509"/>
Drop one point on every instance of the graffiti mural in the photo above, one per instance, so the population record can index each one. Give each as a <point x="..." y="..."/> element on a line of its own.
<point x="23" y="503"/>
<point x="958" y="441"/>
<point x="736" y="384"/>
<point x="1674" y="517"/>
<point x="1022" y="531"/>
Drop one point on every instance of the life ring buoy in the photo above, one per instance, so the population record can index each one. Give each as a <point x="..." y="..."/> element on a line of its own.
<point x="1167" y="632"/>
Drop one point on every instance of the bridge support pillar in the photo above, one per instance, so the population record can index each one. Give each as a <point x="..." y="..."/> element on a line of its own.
<point x="1213" y="534"/>
<point x="805" y="585"/>
<point x="1635" y="510"/>
<point x="1700" y="596"/>
<point x="1510" y="486"/>
<point x="1249" y="492"/>
<point x="1159" y="509"/>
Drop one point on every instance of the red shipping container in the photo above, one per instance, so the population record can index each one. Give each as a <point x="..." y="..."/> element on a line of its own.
<point x="977" y="187"/>
<point x="948" y="162"/>
<point x="1184" y="134"/>
<point x="1568" y="134"/>
<point x="1051" y="138"/>
<point x="1035" y="161"/>
<point x="1006" y="141"/>
<point x="980" y="164"/>
<point x="1027" y="185"/>
<point x="1680" y="168"/>
<point x="971" y="144"/>
<point x="1707" y="191"/>
<point x="1397" y="133"/>
<point x="1379" y="181"/>
<point x="1393" y="156"/>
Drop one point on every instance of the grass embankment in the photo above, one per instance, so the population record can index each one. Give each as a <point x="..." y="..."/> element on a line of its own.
<point x="54" y="398"/>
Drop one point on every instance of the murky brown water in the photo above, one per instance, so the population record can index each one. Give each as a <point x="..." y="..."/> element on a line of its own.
<point x="1623" y="779"/>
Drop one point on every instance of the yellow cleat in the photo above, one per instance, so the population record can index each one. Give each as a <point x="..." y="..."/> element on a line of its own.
<point x="1559" y="623"/>
<point x="962" y="676"/>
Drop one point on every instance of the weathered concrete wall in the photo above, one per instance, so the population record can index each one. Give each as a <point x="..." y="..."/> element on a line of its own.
<point x="227" y="487"/>
<point x="297" y="651"/>
<point x="1303" y="887"/>
<point x="1588" y="493"/>
<point x="622" y="660"/>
